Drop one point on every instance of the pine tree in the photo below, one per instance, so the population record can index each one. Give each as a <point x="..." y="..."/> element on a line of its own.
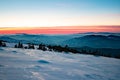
<point x="16" y="46"/>
<point x="0" y="42"/>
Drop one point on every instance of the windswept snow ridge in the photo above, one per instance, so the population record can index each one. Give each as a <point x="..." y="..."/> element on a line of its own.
<point x="25" y="64"/>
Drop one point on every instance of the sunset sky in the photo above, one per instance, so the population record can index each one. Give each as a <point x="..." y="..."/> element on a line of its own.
<point x="59" y="16"/>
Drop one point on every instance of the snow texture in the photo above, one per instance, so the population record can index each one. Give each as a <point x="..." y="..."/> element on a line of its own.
<point x="28" y="64"/>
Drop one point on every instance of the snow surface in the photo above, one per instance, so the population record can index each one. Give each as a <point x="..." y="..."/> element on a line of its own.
<point x="28" y="64"/>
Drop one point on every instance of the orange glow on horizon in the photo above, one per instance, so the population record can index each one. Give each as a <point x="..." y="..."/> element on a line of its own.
<point x="59" y="30"/>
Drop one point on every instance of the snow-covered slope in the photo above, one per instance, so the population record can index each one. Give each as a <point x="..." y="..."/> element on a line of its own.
<point x="26" y="64"/>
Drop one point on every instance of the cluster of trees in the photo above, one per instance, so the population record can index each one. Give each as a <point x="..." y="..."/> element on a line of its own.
<point x="66" y="48"/>
<point x="20" y="45"/>
<point x="56" y="48"/>
<point x="42" y="47"/>
<point x="62" y="49"/>
<point x="2" y="43"/>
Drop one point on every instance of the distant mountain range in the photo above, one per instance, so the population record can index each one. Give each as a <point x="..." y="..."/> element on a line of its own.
<point x="91" y="39"/>
<point x="95" y="41"/>
<point x="101" y="33"/>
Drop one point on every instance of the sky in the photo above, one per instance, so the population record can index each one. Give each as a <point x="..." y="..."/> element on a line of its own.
<point x="56" y="14"/>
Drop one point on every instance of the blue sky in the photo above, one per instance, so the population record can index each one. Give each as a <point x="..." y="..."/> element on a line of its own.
<point x="59" y="12"/>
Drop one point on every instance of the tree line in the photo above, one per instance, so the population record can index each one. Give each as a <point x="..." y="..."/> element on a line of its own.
<point x="58" y="48"/>
<point x="44" y="47"/>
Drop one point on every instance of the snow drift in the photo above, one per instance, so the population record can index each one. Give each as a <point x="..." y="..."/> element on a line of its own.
<point x="25" y="64"/>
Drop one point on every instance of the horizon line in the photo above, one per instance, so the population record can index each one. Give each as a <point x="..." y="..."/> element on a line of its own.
<point x="60" y="33"/>
<point x="59" y="29"/>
